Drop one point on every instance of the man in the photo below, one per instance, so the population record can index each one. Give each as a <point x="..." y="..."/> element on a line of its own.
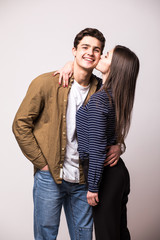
<point x="45" y="129"/>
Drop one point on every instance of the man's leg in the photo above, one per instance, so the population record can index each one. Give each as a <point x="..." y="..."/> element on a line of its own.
<point x="78" y="212"/>
<point x="48" y="201"/>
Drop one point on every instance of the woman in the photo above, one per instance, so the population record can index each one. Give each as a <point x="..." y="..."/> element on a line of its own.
<point x="102" y="122"/>
<point x="105" y="120"/>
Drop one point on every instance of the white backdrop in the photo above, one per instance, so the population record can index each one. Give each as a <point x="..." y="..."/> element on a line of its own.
<point x="36" y="37"/>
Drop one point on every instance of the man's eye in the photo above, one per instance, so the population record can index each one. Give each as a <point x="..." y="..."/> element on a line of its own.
<point x="84" y="47"/>
<point x="97" y="50"/>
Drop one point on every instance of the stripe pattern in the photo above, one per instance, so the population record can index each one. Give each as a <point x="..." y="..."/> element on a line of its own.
<point x="95" y="124"/>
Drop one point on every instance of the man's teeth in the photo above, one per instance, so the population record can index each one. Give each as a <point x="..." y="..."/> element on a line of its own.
<point x="88" y="59"/>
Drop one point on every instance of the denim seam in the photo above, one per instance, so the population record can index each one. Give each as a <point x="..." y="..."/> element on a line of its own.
<point x="35" y="204"/>
<point x="73" y="217"/>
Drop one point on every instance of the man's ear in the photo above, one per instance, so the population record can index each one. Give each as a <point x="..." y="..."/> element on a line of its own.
<point x="74" y="51"/>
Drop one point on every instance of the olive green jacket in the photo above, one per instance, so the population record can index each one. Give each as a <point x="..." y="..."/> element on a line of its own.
<point x="40" y="123"/>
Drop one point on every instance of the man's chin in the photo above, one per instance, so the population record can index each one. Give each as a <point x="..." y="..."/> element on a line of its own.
<point x="90" y="68"/>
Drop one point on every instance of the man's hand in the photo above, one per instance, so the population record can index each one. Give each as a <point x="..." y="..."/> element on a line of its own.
<point x="92" y="198"/>
<point x="45" y="168"/>
<point x="113" y="155"/>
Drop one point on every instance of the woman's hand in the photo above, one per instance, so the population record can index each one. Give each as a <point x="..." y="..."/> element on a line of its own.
<point x="92" y="198"/>
<point x="113" y="155"/>
<point x="65" y="73"/>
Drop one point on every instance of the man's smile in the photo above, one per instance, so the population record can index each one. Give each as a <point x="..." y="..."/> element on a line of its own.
<point x="88" y="59"/>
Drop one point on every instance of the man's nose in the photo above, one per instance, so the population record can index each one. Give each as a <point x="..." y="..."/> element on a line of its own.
<point x="90" y="51"/>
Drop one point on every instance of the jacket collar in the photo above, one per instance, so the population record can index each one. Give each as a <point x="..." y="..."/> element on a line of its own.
<point x="93" y="86"/>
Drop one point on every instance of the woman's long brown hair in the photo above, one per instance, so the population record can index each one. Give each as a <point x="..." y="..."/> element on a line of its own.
<point x="122" y="80"/>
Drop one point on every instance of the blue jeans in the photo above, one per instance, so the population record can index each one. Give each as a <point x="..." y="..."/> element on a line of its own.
<point x="48" y="200"/>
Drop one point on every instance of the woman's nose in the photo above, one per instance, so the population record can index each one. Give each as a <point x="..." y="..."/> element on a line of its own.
<point x="102" y="56"/>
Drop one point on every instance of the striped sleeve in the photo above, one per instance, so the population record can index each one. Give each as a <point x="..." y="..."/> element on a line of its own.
<point x="97" y="124"/>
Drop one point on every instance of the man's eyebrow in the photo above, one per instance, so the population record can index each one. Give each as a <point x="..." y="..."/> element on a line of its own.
<point x="97" y="47"/>
<point x="87" y="45"/>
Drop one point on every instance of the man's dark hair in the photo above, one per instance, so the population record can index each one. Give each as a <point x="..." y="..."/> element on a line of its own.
<point x="92" y="32"/>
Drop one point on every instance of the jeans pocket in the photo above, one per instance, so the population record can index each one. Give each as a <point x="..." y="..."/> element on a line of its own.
<point x="45" y="180"/>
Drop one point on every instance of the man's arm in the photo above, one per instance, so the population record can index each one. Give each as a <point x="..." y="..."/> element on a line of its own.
<point x="24" y="124"/>
<point x="113" y="155"/>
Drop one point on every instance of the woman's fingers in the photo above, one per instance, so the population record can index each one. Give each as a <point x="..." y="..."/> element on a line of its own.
<point x="60" y="78"/>
<point x="65" y="73"/>
<point x="55" y="73"/>
<point x="65" y="79"/>
<point x="96" y="199"/>
<point x="92" y="198"/>
<point x="92" y="202"/>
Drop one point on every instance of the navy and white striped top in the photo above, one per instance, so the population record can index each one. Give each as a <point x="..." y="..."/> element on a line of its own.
<point x="95" y="124"/>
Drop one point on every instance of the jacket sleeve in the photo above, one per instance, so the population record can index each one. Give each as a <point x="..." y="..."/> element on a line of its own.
<point x="24" y="122"/>
<point x="97" y="124"/>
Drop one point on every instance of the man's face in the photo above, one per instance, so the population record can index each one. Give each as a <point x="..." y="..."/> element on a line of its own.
<point x="88" y="53"/>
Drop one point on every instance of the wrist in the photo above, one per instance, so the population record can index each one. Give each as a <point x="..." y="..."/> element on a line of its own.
<point x="122" y="147"/>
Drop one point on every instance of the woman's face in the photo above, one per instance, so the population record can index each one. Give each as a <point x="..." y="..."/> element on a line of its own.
<point x="104" y="63"/>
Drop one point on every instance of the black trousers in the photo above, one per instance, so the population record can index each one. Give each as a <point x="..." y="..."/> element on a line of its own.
<point x="110" y="215"/>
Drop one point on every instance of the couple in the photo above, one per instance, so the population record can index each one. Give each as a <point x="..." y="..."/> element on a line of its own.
<point x="54" y="121"/>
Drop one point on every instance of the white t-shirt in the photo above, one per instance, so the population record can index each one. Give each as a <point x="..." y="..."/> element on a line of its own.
<point x="76" y="97"/>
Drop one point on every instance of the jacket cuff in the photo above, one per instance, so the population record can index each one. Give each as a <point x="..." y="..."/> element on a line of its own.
<point x="40" y="162"/>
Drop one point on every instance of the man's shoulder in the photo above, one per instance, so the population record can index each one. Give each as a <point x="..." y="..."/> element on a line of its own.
<point x="98" y="80"/>
<point x="46" y="79"/>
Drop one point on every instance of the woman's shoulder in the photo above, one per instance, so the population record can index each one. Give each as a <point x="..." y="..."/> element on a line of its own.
<point x="101" y="100"/>
<point x="100" y="96"/>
